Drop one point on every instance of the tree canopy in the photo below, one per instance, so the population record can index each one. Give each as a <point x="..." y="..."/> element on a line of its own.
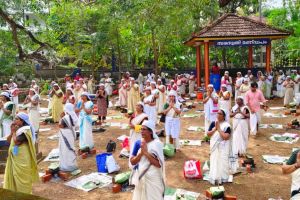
<point x="127" y="34"/>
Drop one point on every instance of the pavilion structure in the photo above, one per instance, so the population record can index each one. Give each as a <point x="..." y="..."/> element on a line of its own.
<point x="232" y="30"/>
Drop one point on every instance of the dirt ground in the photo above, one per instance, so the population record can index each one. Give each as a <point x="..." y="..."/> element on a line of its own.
<point x="267" y="180"/>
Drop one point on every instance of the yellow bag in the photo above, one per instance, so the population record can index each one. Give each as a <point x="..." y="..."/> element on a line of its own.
<point x="137" y="128"/>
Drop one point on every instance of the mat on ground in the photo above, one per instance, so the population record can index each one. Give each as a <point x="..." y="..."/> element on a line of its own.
<point x="289" y="138"/>
<point x="90" y="181"/>
<point x="279" y="126"/>
<point x="274" y="159"/>
<point x="269" y="115"/>
<point x="178" y="194"/>
<point x="196" y="128"/>
<point x="191" y="115"/>
<point x="53" y="137"/>
<point x="53" y="156"/>
<point x="190" y="142"/>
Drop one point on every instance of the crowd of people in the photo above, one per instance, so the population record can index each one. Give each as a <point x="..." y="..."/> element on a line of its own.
<point x="149" y="100"/>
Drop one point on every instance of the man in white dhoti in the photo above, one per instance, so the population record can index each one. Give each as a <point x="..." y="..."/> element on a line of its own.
<point x="220" y="144"/>
<point x="292" y="166"/>
<point x="240" y="127"/>
<point x="150" y="105"/>
<point x="225" y="100"/>
<point x="253" y="100"/>
<point x="172" y="110"/>
<point x="288" y="84"/>
<point x="148" y="175"/>
<point x="210" y="106"/>
<point x="85" y="109"/>
<point x="67" y="137"/>
<point x="162" y="98"/>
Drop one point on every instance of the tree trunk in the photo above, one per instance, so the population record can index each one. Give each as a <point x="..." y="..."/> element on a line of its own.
<point x="155" y="52"/>
<point x="119" y="52"/>
<point x="224" y="57"/>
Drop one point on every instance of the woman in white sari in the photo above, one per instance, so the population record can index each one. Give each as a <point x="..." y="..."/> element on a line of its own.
<point x="220" y="145"/>
<point x="148" y="175"/>
<point x="135" y="121"/>
<point x="240" y="121"/>
<point x="225" y="100"/>
<point x="123" y="94"/>
<point x="150" y="105"/>
<point x="288" y="84"/>
<point x="85" y="109"/>
<point x="7" y="113"/>
<point x="279" y="86"/>
<point x="33" y="99"/>
<point x="67" y="136"/>
<point x="172" y="124"/>
<point x="161" y="96"/>
<point x="210" y="106"/>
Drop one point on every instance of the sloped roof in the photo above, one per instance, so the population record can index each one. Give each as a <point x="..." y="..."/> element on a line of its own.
<point x="231" y="26"/>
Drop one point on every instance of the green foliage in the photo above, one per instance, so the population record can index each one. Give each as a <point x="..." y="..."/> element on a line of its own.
<point x="139" y="32"/>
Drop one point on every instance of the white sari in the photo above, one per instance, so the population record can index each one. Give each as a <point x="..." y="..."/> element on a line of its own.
<point x="150" y="110"/>
<point x="219" y="157"/>
<point x="240" y="131"/>
<point x="134" y="136"/>
<point x="67" y="153"/>
<point x="5" y="120"/>
<point x="210" y="111"/>
<point x="151" y="185"/>
<point x="85" y="127"/>
<point x="161" y="99"/>
<point x="225" y="105"/>
<point x="34" y="113"/>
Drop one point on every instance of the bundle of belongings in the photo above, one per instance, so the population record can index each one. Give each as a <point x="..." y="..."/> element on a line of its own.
<point x="293" y="124"/>
<point x="214" y="193"/>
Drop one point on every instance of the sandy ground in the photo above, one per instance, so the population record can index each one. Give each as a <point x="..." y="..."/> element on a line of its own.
<point x="267" y="180"/>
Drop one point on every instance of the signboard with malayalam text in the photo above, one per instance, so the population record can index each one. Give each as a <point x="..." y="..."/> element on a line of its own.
<point x="253" y="42"/>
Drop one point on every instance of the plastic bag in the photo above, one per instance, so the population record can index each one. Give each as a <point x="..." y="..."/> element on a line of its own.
<point x="192" y="169"/>
<point x="111" y="164"/>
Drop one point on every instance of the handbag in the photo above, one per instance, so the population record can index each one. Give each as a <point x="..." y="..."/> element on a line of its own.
<point x="111" y="146"/>
<point x="192" y="169"/>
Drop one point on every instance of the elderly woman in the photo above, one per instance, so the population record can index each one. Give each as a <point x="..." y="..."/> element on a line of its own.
<point x="135" y="122"/>
<point x="133" y="95"/>
<point x="85" y="109"/>
<point x="292" y="166"/>
<point x="102" y="102"/>
<point x="279" y="86"/>
<point x="150" y="105"/>
<point x="7" y="109"/>
<point x="172" y="110"/>
<point x="21" y="166"/>
<point x="33" y="99"/>
<point x="67" y="136"/>
<point x="57" y="105"/>
<point x="245" y="87"/>
<point x="148" y="175"/>
<point x="288" y="84"/>
<point x="69" y="96"/>
<point x="240" y="121"/>
<point x="219" y="132"/>
<point x="225" y="100"/>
